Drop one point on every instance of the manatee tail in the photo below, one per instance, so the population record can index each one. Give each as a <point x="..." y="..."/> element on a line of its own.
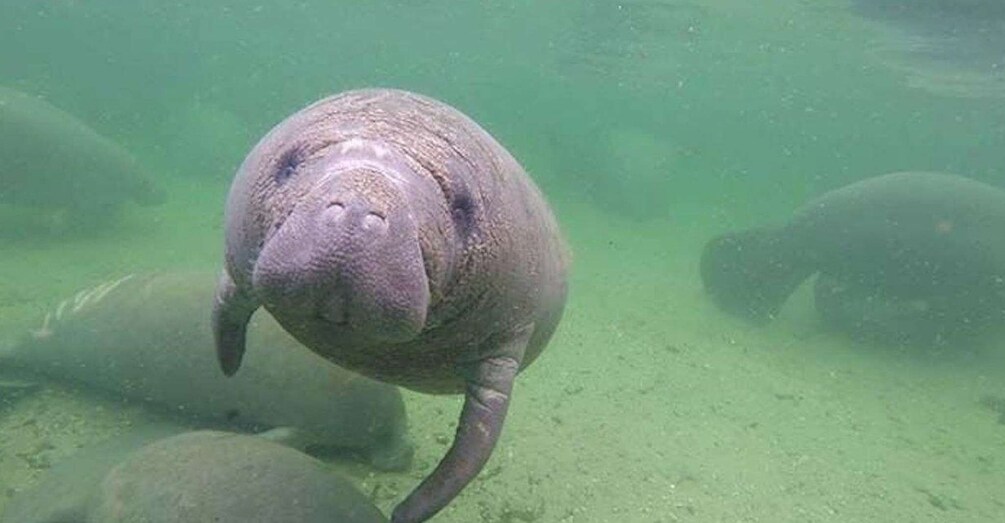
<point x="751" y="273"/>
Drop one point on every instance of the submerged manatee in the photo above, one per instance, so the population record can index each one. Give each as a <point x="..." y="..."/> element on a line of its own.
<point x="226" y="478"/>
<point x="892" y="251"/>
<point x="391" y="234"/>
<point x="147" y="338"/>
<point x="868" y="313"/>
<point x="63" y="494"/>
<point x="950" y="47"/>
<point x="51" y="160"/>
<point x="192" y="477"/>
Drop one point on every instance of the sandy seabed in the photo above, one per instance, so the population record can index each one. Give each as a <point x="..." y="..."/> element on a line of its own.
<point x="648" y="406"/>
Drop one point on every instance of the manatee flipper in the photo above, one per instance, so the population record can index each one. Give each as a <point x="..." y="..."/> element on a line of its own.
<point x="232" y="310"/>
<point x="486" y="400"/>
<point x="751" y="273"/>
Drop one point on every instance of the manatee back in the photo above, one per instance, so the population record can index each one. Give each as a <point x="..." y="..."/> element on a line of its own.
<point x="226" y="478"/>
<point x="65" y="491"/>
<point x="912" y="233"/>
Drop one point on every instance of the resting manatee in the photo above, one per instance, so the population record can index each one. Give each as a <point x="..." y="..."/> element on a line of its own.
<point x="391" y="234"/>
<point x="51" y="160"/>
<point x="949" y="47"/>
<point x="193" y="477"/>
<point x="63" y="494"/>
<point x="899" y="249"/>
<point x="873" y="314"/>
<point x="147" y="338"/>
<point x="226" y="478"/>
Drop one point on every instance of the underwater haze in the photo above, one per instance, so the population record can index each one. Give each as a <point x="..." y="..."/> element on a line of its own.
<point x="652" y="127"/>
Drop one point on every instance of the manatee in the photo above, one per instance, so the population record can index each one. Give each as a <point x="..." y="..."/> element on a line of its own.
<point x="63" y="494"/>
<point x="392" y="235"/>
<point x="147" y="338"/>
<point x="948" y="47"/>
<point x="635" y="171"/>
<point x="872" y="314"/>
<point x="51" y="160"/>
<point x="194" y="476"/>
<point x="893" y="250"/>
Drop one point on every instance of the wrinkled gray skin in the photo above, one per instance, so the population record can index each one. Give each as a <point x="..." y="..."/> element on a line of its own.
<point x="147" y="338"/>
<point x="392" y="235"/>
<point x="151" y="475"/>
<point x="51" y="160"/>
<point x="894" y="251"/>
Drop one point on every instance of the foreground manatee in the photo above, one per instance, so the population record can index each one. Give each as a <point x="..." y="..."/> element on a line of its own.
<point x="392" y="235"/>
<point x="192" y="477"/>
<point x="51" y="160"/>
<point x="147" y="338"/>
<point x="894" y="251"/>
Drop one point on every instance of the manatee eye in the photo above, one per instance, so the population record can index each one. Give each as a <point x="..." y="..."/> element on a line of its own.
<point x="375" y="222"/>
<point x="288" y="164"/>
<point x="462" y="212"/>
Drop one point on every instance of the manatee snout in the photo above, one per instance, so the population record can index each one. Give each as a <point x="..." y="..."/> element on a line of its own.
<point x="348" y="257"/>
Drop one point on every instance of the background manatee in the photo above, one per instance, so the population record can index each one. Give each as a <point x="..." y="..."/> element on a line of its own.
<point x="898" y="249"/>
<point x="391" y="234"/>
<point x="147" y="338"/>
<point x="53" y="161"/>
<point x="868" y="313"/>
<point x="152" y="475"/>
<point x="63" y="494"/>
<point x="948" y="47"/>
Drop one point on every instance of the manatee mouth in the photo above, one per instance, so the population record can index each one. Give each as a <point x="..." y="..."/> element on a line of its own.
<point x="347" y="257"/>
<point x="335" y="312"/>
<point x="338" y="321"/>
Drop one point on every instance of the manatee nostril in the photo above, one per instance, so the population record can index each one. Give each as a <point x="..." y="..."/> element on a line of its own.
<point x="334" y="210"/>
<point x="374" y="222"/>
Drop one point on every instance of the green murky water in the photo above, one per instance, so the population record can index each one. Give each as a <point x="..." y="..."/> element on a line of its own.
<point x="651" y="126"/>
